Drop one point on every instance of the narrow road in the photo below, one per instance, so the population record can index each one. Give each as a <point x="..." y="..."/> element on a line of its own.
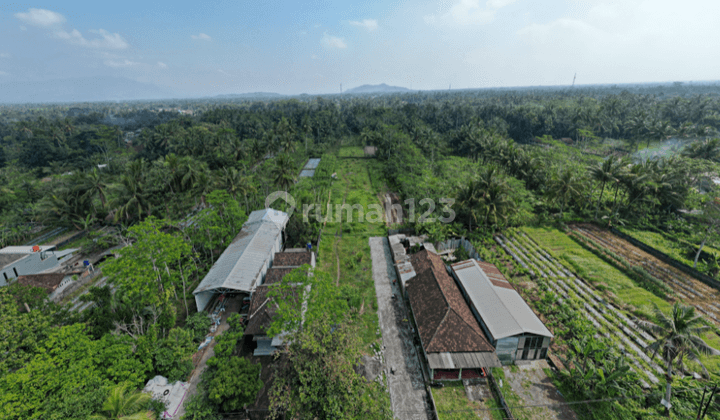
<point x="407" y="390"/>
<point x="231" y="307"/>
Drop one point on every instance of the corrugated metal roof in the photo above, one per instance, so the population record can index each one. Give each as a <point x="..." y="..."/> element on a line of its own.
<point x="503" y="310"/>
<point x="463" y="360"/>
<point x="242" y="261"/>
<point x="312" y="163"/>
<point x="24" y="249"/>
<point x="279" y="218"/>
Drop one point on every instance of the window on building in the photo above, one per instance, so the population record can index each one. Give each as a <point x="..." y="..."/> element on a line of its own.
<point x="532" y="347"/>
<point x="15" y="271"/>
<point x="543" y="353"/>
<point x="5" y="275"/>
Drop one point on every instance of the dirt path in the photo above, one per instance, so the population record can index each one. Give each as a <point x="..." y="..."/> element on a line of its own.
<point x="407" y="390"/>
<point x="530" y="382"/>
<point x="231" y="307"/>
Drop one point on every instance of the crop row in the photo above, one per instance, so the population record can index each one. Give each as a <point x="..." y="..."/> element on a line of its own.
<point x="691" y="291"/>
<point x="606" y="318"/>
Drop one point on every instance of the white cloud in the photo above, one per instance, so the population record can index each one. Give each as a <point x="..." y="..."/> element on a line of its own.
<point x="329" y="41"/>
<point x="2" y="73"/>
<point x="120" y="63"/>
<point x="22" y="28"/>
<point x="630" y="41"/>
<point x="497" y="4"/>
<point x="4" y="55"/>
<point x="106" y="40"/>
<point x="469" y="12"/>
<point x="369" y="24"/>
<point x="314" y="57"/>
<point x="40" y="17"/>
<point x="204" y="37"/>
<point x="162" y="65"/>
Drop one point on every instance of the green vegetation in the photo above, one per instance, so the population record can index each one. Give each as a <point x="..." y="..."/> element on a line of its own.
<point x="177" y="190"/>
<point x="344" y="247"/>
<point x="319" y="379"/>
<point x="452" y="403"/>
<point x="593" y="269"/>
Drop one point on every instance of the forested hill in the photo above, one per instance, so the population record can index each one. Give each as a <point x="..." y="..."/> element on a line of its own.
<point x="381" y="88"/>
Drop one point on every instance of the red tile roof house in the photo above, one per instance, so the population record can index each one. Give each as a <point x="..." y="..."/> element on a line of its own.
<point x="452" y="341"/>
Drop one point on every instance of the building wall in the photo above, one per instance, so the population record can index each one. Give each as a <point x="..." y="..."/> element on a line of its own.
<point x="506" y="349"/>
<point x="31" y="264"/>
<point x="532" y="347"/>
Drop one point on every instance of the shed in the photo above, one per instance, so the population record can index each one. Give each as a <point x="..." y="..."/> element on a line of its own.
<point x="452" y="341"/>
<point x="17" y="261"/>
<point x="507" y="320"/>
<point x="243" y="264"/>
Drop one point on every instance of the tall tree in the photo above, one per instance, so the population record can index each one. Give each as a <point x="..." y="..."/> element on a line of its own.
<point x="565" y="185"/>
<point x="678" y="338"/>
<point x="604" y="172"/>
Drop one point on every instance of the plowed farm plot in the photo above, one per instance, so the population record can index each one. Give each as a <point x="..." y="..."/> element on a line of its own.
<point x="610" y="321"/>
<point x="687" y="289"/>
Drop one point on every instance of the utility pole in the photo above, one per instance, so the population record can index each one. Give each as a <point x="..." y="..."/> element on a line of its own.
<point x="340" y="87"/>
<point x="701" y="412"/>
<point x="573" y="84"/>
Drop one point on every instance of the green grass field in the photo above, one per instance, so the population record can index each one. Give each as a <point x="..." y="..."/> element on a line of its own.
<point x="453" y="404"/>
<point x="344" y="249"/>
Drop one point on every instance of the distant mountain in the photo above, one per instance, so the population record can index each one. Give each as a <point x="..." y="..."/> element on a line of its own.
<point x="381" y="88"/>
<point x="252" y="95"/>
<point x="86" y="89"/>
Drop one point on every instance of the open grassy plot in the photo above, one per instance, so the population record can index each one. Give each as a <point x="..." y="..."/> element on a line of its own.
<point x="452" y="403"/>
<point x="344" y="248"/>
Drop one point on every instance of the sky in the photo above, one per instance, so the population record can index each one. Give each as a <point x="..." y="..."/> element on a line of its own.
<point x="196" y="48"/>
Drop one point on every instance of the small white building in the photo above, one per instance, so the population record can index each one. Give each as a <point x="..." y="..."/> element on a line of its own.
<point x="17" y="261"/>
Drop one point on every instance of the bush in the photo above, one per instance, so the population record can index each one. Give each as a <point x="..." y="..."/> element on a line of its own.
<point x="199" y="325"/>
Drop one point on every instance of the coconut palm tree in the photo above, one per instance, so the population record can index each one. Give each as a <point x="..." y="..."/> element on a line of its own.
<point x="132" y="201"/>
<point x="604" y="173"/>
<point x="124" y="405"/>
<point x="94" y="184"/>
<point x="705" y="149"/>
<point x="564" y="185"/>
<point x="678" y="339"/>
<point x="235" y="183"/>
<point x="284" y="171"/>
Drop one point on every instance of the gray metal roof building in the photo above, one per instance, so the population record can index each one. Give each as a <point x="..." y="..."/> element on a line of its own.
<point x="508" y="321"/>
<point x="243" y="264"/>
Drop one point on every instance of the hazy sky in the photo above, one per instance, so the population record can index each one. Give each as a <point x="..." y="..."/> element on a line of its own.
<point x="290" y="47"/>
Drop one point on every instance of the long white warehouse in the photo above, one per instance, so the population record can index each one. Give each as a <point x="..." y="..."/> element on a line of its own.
<point x="243" y="264"/>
